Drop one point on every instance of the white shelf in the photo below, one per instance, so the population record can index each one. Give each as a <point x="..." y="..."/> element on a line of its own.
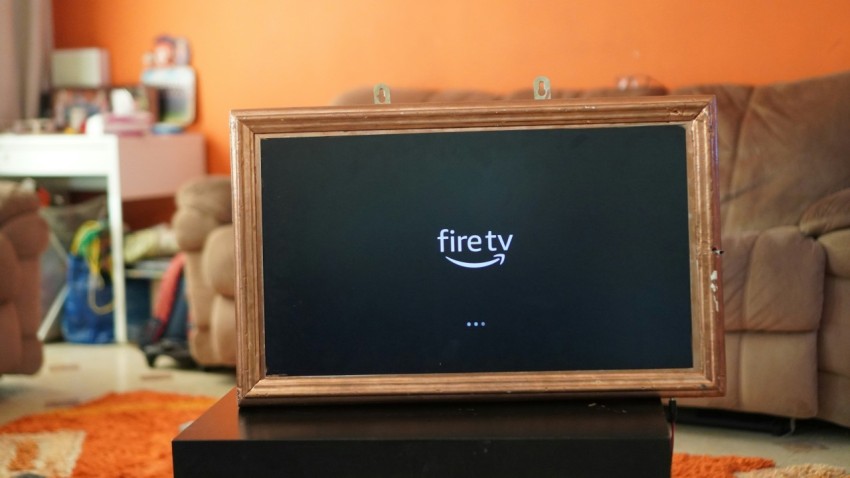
<point x="132" y="168"/>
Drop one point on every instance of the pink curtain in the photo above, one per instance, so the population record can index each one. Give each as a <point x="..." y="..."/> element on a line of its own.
<point x="26" y="40"/>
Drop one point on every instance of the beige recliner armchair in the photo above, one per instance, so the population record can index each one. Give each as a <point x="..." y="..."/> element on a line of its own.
<point x="23" y="237"/>
<point x="204" y="230"/>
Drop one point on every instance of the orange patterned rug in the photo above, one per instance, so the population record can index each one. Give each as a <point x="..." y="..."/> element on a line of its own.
<point x="698" y="466"/>
<point x="129" y="435"/>
<point x="126" y="435"/>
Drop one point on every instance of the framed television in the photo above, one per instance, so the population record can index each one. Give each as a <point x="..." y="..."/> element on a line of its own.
<point x="477" y="250"/>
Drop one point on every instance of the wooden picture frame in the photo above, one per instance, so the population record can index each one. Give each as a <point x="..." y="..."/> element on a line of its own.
<point x="694" y="115"/>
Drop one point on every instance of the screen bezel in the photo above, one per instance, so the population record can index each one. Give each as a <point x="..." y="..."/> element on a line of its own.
<point x="696" y="114"/>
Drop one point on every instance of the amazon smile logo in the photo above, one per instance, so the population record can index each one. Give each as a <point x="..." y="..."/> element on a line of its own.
<point x="473" y="243"/>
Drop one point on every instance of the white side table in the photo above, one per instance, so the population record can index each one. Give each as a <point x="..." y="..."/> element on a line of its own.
<point x="141" y="167"/>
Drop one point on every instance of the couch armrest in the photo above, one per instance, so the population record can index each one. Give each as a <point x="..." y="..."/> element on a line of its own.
<point x="828" y="220"/>
<point x="10" y="278"/>
<point x="827" y="214"/>
<point x="218" y="261"/>
<point x="203" y="204"/>
<point x="20" y="222"/>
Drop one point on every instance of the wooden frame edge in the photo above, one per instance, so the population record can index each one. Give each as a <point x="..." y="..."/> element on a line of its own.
<point x="695" y="113"/>
<point x="247" y="223"/>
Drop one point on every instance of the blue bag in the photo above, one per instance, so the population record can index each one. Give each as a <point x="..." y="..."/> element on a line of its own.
<point x="87" y="313"/>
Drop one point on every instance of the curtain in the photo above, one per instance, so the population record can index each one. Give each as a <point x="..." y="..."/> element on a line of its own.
<point x="26" y="40"/>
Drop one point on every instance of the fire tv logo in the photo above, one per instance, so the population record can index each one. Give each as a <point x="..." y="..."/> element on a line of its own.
<point x="493" y="243"/>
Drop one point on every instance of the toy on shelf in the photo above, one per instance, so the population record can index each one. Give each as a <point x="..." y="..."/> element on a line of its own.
<point x="167" y="70"/>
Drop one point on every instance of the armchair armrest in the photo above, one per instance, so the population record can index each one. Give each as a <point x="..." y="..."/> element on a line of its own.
<point x="20" y="222"/>
<point x="827" y="214"/>
<point x="829" y="221"/>
<point x="203" y="204"/>
<point x="23" y="237"/>
<point x="15" y="200"/>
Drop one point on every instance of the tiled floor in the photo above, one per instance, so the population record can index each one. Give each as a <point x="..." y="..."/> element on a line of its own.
<point x="75" y="373"/>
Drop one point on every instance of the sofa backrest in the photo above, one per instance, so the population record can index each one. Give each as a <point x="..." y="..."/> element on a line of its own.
<point x="781" y="146"/>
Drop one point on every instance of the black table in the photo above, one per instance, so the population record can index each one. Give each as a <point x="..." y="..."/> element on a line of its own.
<point x="565" y="438"/>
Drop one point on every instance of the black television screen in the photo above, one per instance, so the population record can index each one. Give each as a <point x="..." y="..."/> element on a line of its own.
<point x="476" y="250"/>
<point x="510" y="251"/>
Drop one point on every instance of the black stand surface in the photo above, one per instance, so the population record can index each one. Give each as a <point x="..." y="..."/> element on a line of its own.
<point x="569" y="438"/>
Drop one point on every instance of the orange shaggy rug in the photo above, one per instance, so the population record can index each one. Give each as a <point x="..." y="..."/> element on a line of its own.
<point x="119" y="435"/>
<point x="129" y="435"/>
<point x="698" y="466"/>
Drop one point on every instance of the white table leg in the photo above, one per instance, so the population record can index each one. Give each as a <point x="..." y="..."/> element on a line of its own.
<point x="116" y="234"/>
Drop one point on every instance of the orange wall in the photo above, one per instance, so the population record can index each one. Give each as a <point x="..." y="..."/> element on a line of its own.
<point x="270" y="53"/>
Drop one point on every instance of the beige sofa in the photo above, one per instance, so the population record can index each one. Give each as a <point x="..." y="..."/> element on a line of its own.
<point x="785" y="206"/>
<point x="785" y="213"/>
<point x="23" y="237"/>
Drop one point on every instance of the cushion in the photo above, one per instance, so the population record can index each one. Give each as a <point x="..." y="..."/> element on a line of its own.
<point x="773" y="281"/>
<point x="779" y="374"/>
<point x="837" y="247"/>
<point x="835" y="328"/>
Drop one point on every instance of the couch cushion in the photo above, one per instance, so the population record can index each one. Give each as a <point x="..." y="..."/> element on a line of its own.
<point x="833" y="405"/>
<point x="773" y="281"/>
<point x="768" y="373"/>
<point x="834" y="351"/>
<point x="785" y="284"/>
<point x="736" y="269"/>
<point x="779" y="374"/>
<point x="837" y="247"/>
